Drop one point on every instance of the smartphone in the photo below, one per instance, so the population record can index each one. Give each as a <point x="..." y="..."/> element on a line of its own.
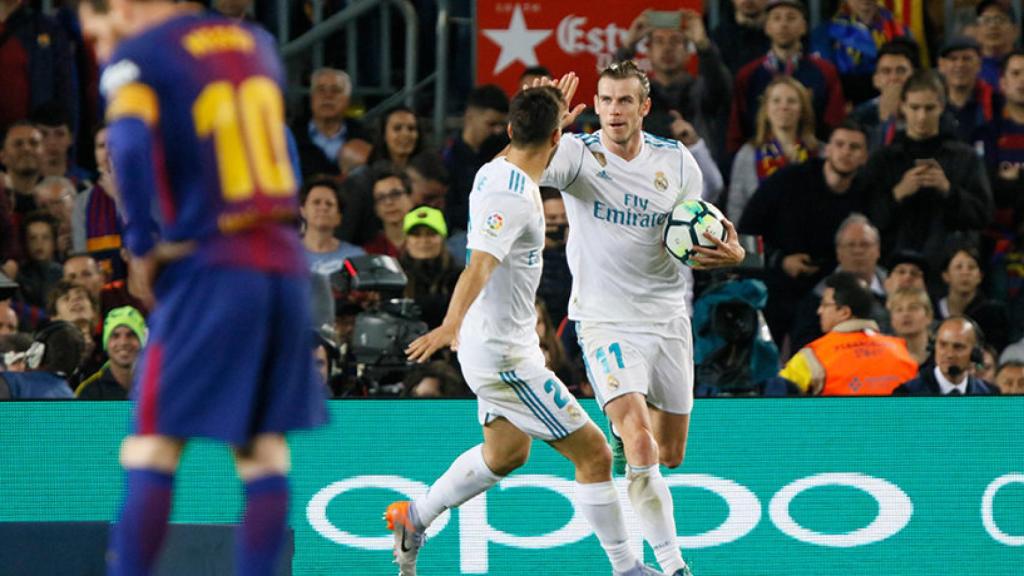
<point x="926" y="162"/>
<point x="672" y="19"/>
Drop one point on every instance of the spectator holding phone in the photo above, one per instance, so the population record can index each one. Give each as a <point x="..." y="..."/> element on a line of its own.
<point x="927" y="188"/>
<point x="797" y="211"/>
<point x="672" y="39"/>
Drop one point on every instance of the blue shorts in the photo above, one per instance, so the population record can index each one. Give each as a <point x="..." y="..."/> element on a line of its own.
<point x="229" y="356"/>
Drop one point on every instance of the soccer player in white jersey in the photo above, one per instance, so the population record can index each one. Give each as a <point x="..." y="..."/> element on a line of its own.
<point x="628" y="293"/>
<point x="491" y="322"/>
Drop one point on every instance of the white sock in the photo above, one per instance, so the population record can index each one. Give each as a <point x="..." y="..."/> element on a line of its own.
<point x="466" y="477"/>
<point x="652" y="503"/>
<point x="600" y="505"/>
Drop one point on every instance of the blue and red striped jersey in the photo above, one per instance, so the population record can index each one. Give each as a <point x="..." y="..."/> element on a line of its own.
<point x="197" y="138"/>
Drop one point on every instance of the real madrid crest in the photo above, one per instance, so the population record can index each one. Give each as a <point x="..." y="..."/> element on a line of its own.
<point x="600" y="158"/>
<point x="660" y="181"/>
<point x="613" y="382"/>
<point x="573" y="412"/>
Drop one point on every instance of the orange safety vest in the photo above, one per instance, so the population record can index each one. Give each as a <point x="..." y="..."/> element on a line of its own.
<point x="863" y="363"/>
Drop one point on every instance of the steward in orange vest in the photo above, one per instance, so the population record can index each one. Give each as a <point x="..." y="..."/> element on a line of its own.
<point x="852" y="358"/>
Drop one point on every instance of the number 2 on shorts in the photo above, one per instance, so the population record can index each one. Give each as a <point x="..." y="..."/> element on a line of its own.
<point x="552" y="387"/>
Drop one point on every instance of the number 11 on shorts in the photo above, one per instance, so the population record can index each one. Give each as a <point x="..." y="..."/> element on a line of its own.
<point x="602" y="357"/>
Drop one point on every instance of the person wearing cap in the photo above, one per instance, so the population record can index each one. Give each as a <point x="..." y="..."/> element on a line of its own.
<point x="851" y="41"/>
<point x="124" y="335"/>
<point x="785" y="25"/>
<point x="50" y="362"/>
<point x="970" y="97"/>
<point x="431" y="270"/>
<point x="907" y="269"/>
<point x="997" y="33"/>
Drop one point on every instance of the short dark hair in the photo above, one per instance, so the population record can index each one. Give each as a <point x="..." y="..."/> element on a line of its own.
<point x="323" y="182"/>
<point x="384" y="172"/>
<point x="851" y="124"/>
<point x="488" y="97"/>
<point x="851" y="291"/>
<point x="924" y="79"/>
<point x="901" y="46"/>
<point x="549" y="193"/>
<point x="968" y="248"/>
<point x="535" y="71"/>
<point x="18" y="124"/>
<point x="1015" y="53"/>
<point x="430" y="166"/>
<point x="534" y="115"/>
<point x="35" y="218"/>
<point x="64" y="345"/>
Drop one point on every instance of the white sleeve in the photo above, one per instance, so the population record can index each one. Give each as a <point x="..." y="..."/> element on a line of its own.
<point x="566" y="165"/>
<point x="691" y="181"/>
<point x="498" y="218"/>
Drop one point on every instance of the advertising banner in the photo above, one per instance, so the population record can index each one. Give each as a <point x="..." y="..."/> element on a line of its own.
<point x="770" y="487"/>
<point x="562" y="35"/>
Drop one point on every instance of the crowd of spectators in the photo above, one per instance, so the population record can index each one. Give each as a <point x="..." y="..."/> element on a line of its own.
<point x="887" y="196"/>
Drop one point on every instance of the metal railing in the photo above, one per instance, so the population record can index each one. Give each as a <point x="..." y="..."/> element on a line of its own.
<point x="346" y="19"/>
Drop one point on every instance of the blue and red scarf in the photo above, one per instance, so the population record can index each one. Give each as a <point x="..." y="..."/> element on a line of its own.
<point x="770" y="156"/>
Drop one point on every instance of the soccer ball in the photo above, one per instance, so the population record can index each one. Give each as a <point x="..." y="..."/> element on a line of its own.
<point x="686" y="226"/>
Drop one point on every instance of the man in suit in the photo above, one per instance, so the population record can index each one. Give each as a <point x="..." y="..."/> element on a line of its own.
<point x="957" y="340"/>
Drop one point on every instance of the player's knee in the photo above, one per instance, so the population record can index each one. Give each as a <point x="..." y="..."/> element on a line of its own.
<point x="159" y="453"/>
<point x="266" y="455"/>
<point x="510" y="461"/>
<point x="599" y="459"/>
<point x="641" y="443"/>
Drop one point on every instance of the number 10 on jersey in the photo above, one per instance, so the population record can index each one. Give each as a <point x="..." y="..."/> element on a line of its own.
<point x="247" y="126"/>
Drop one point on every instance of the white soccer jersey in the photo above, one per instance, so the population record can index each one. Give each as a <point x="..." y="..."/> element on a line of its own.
<point x="617" y="212"/>
<point x="506" y="220"/>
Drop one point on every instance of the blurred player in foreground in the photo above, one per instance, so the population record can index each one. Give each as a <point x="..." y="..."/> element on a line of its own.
<point x="197" y="142"/>
<point x="491" y="322"/>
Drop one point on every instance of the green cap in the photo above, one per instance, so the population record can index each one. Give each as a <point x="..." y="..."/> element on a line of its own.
<point x="124" y="316"/>
<point x="426" y="216"/>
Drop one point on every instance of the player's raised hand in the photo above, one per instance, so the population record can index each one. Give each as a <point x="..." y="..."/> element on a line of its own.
<point x="568" y="85"/>
<point x="727" y="253"/>
<point x="422" y="348"/>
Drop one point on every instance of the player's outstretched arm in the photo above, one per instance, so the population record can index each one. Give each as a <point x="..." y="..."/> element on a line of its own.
<point x="728" y="253"/>
<point x="471" y="283"/>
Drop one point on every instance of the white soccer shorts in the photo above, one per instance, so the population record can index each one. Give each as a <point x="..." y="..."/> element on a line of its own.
<point x="655" y="360"/>
<point x="529" y="396"/>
